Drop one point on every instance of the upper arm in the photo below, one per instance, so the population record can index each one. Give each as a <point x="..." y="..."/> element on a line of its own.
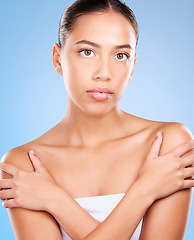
<point x="27" y="224"/>
<point x="167" y="218"/>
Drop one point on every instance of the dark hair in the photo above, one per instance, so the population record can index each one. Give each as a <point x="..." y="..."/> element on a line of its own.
<point x="82" y="7"/>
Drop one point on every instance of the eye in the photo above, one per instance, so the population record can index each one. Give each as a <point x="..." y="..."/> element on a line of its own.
<point x="86" y="53"/>
<point x="122" y="56"/>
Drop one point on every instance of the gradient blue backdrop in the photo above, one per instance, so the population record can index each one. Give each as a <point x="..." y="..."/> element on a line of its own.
<point x="33" y="98"/>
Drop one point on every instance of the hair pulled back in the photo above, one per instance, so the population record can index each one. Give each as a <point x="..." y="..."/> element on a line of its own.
<point x="82" y="7"/>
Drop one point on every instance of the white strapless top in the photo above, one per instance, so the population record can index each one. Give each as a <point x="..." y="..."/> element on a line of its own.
<point x="99" y="207"/>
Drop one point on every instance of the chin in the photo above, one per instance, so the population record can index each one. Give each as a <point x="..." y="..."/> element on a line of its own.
<point x="97" y="111"/>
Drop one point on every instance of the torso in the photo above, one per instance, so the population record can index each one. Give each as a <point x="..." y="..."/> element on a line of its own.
<point x="107" y="169"/>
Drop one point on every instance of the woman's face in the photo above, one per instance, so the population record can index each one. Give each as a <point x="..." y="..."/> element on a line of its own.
<point x="98" y="53"/>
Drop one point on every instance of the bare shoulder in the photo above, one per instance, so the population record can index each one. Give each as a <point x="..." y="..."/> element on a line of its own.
<point x="174" y="134"/>
<point x="172" y="131"/>
<point x="18" y="157"/>
<point x="176" y="130"/>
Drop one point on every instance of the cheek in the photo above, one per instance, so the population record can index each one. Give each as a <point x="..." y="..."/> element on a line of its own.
<point x="122" y="75"/>
<point x="76" y="76"/>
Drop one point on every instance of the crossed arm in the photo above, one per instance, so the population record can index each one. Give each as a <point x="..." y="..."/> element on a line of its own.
<point x="165" y="219"/>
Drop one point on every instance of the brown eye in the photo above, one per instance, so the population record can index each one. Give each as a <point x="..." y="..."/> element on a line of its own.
<point x="120" y="56"/>
<point x="86" y="53"/>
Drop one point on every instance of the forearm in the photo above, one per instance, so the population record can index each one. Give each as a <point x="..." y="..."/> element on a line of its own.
<point x="124" y="219"/>
<point x="120" y="224"/>
<point x="75" y="221"/>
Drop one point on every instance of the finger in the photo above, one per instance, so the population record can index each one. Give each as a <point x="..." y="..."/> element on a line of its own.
<point x="189" y="183"/>
<point x="6" y="183"/>
<point x="10" y="203"/>
<point x="6" y="194"/>
<point x="9" y="168"/>
<point x="183" y="148"/>
<point x="188" y="172"/>
<point x="155" y="148"/>
<point x="38" y="166"/>
<point x="188" y="160"/>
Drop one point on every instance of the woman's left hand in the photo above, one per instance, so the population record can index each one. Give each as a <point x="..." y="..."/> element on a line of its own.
<point x="31" y="190"/>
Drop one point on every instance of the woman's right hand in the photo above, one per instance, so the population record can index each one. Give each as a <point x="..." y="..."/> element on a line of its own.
<point x="164" y="175"/>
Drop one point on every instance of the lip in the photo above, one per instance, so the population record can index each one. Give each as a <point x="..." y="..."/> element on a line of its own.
<point x="100" y="93"/>
<point x="101" y="90"/>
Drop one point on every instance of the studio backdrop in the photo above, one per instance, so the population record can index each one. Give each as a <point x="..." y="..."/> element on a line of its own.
<point x="33" y="97"/>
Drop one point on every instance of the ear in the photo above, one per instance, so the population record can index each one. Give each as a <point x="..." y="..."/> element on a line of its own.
<point x="56" y="59"/>
<point x="135" y="58"/>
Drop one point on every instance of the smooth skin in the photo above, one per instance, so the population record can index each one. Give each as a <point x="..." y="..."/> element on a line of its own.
<point x="136" y="201"/>
<point x="94" y="137"/>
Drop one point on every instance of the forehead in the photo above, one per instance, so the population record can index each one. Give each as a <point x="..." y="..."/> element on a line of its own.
<point x="103" y="28"/>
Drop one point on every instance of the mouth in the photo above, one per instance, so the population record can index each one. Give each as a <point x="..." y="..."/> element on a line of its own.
<point x="100" y="93"/>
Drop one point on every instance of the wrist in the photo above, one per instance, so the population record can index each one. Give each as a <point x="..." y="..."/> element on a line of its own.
<point x="144" y="191"/>
<point x="54" y="201"/>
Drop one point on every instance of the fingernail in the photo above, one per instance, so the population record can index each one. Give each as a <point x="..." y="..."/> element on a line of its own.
<point x="31" y="151"/>
<point x="158" y="134"/>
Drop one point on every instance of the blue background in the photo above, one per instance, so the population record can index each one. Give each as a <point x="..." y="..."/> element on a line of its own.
<point x="33" y="98"/>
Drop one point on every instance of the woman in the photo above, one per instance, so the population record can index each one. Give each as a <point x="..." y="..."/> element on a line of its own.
<point x="98" y="155"/>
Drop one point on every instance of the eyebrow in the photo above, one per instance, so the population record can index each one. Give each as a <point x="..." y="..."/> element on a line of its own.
<point x="98" y="46"/>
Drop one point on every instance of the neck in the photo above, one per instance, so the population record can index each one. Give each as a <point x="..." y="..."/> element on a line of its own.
<point x="86" y="130"/>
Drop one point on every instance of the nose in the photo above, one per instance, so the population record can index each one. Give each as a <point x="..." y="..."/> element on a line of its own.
<point x="103" y="71"/>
